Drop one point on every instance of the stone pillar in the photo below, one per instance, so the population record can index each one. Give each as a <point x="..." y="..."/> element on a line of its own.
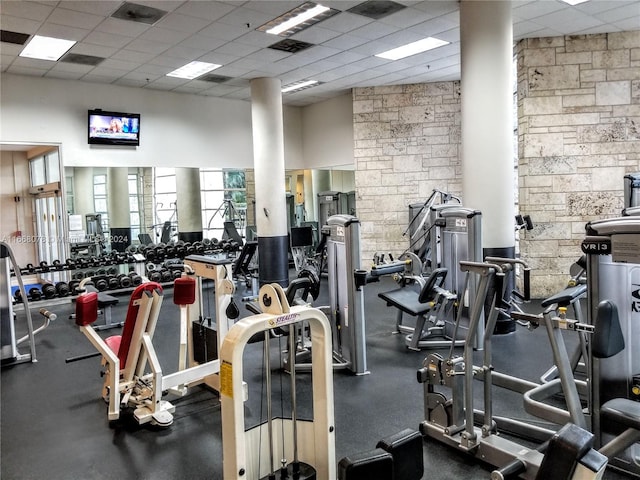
<point x="119" y="210"/>
<point x="488" y="182"/>
<point x="268" y="160"/>
<point x="189" y="204"/>
<point x="83" y="203"/>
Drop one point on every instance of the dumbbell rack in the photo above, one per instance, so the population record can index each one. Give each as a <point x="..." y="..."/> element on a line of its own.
<point x="118" y="272"/>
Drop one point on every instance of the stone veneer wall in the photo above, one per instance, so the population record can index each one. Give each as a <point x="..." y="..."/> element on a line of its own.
<point x="406" y="143"/>
<point x="579" y="135"/>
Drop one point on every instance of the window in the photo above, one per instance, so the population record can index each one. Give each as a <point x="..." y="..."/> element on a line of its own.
<point x="224" y="199"/>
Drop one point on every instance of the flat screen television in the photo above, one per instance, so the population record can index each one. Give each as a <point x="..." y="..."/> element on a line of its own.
<point x="113" y="128"/>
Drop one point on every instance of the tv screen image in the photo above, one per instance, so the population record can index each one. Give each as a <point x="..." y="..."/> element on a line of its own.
<point x="114" y="128"/>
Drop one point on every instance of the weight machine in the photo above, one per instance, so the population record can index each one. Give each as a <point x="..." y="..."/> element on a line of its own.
<point x="134" y="377"/>
<point x="612" y="247"/>
<point x="311" y="452"/>
<point x="453" y="420"/>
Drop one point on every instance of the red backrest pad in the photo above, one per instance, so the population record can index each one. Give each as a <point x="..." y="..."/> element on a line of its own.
<point x="184" y="291"/>
<point x="132" y="315"/>
<point x="86" y="309"/>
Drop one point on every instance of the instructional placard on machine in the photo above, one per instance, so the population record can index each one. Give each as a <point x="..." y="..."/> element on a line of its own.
<point x="625" y="248"/>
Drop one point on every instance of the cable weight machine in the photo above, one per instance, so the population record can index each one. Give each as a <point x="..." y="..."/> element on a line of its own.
<point x="311" y="452"/>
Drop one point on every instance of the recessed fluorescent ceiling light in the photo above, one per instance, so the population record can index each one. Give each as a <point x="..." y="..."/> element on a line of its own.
<point x="299" y="86"/>
<point x="193" y="70"/>
<point x="420" y="46"/>
<point x="574" y="2"/>
<point x="298" y="19"/>
<point x="46" y="48"/>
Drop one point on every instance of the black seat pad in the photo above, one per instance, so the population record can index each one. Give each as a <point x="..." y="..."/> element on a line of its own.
<point x="623" y="411"/>
<point x="565" y="297"/>
<point x="407" y="300"/>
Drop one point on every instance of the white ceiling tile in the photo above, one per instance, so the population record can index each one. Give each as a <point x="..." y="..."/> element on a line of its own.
<point x="202" y="42"/>
<point x="165" y="35"/>
<point x="374" y="30"/>
<point x="17" y="24"/>
<point x="132" y="56"/>
<point x="73" y="18"/>
<point x="207" y="10"/>
<point x="97" y="7"/>
<point x="316" y="35"/>
<point x="91" y="49"/>
<point x="62" y="31"/>
<point x="106" y="39"/>
<point x="26" y="9"/>
<point x="183" y="23"/>
<point x="189" y="54"/>
<point x="116" y="26"/>
<point x="148" y="46"/>
<point x="223" y="31"/>
<point x="345" y="22"/>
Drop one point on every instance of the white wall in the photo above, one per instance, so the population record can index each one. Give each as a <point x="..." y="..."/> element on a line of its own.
<point x="176" y="129"/>
<point x="327" y="132"/>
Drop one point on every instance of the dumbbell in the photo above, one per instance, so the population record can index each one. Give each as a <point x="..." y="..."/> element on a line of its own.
<point x="71" y="263"/>
<point x="155" y="276"/>
<point x="44" y="266"/>
<point x="125" y="280"/>
<point x="62" y="289"/>
<point x="135" y="279"/>
<point x="112" y="270"/>
<point x="176" y="273"/>
<point x="35" y="294"/>
<point x="102" y="284"/>
<point x="73" y="287"/>
<point x="49" y="290"/>
<point x="57" y="264"/>
<point x="114" y="283"/>
<point x="78" y="275"/>
<point x="18" y="296"/>
<point x="161" y="252"/>
<point x="170" y="251"/>
<point x="189" y="249"/>
<point x="150" y="255"/>
<point x="101" y="271"/>
<point x="165" y="274"/>
<point x="30" y="268"/>
<point x="181" y="249"/>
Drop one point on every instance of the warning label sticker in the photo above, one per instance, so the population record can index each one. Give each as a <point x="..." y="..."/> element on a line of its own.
<point x="226" y="379"/>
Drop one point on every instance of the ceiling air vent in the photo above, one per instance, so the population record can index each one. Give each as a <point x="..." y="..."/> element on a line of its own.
<point x="291" y="46"/>
<point x="7" y="36"/>
<point x="82" y="59"/>
<point x="139" y="13"/>
<point x="214" y="78"/>
<point x="376" y="9"/>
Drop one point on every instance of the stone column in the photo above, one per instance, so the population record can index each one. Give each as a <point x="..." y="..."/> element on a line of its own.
<point x="189" y="204"/>
<point x="119" y="209"/>
<point x="488" y="182"/>
<point x="268" y="160"/>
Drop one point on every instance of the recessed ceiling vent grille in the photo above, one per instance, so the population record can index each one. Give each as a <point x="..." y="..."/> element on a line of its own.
<point x="7" y="36"/>
<point x="214" y="78"/>
<point x="291" y="46"/>
<point x="139" y="13"/>
<point x="82" y="59"/>
<point x="376" y="9"/>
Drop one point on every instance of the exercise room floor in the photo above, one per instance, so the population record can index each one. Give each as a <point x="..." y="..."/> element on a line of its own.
<point x="54" y="424"/>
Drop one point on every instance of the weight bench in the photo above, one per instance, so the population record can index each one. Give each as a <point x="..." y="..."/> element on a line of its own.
<point x="608" y="341"/>
<point x="430" y="300"/>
